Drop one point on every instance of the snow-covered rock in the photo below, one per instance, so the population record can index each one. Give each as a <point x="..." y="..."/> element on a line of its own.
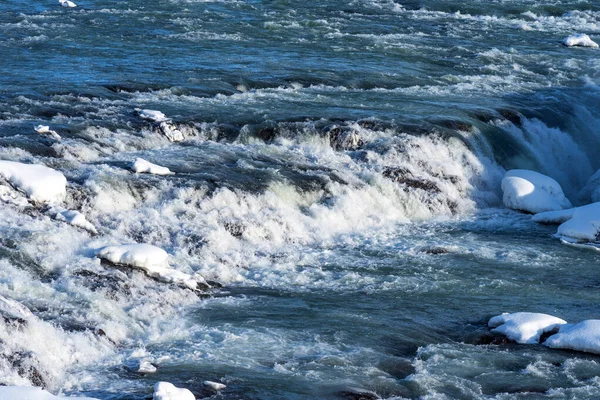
<point x="579" y="39"/>
<point x="32" y="393"/>
<point x="170" y="131"/>
<point x="67" y="3"/>
<point x="153" y="260"/>
<point x="579" y="224"/>
<point x="524" y="327"/>
<point x="151" y="115"/>
<point x="532" y="192"/>
<point x="216" y="386"/>
<point x="46" y="131"/>
<point x="40" y="183"/>
<point x="73" y="217"/>
<point x="168" y="391"/>
<point x="142" y="166"/>
<point x="584" y="336"/>
<point x="146" y="367"/>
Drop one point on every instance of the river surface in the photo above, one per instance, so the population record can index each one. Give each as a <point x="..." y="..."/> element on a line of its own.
<point x="339" y="177"/>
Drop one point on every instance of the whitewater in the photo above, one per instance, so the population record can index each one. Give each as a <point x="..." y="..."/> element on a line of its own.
<point x="269" y="199"/>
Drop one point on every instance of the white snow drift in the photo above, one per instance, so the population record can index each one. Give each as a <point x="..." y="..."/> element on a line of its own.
<point x="532" y="192"/>
<point x="142" y="166"/>
<point x="32" y="393"/>
<point x="579" y="39"/>
<point x="168" y="391"/>
<point x="584" y="336"/>
<point x="40" y="183"/>
<point x="579" y="224"/>
<point x="524" y="327"/>
<point x="153" y="260"/>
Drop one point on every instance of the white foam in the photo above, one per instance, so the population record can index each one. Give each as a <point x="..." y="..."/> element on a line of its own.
<point x="532" y="192"/>
<point x="579" y="39"/>
<point x="32" y="393"/>
<point x="168" y="391"/>
<point x="142" y="166"/>
<point x="153" y="260"/>
<point x="524" y="327"/>
<point x="584" y="336"/>
<point x="578" y="224"/>
<point x="40" y="183"/>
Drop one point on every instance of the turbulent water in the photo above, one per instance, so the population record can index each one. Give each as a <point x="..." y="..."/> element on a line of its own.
<point x="340" y="177"/>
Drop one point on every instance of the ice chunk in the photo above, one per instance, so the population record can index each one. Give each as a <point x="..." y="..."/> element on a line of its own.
<point x="579" y="39"/>
<point x="532" y="192"/>
<point x="40" y="183"/>
<point x="142" y="166"/>
<point x="153" y="260"/>
<point x="584" y="336"/>
<point x="152" y="115"/>
<point x="32" y="393"/>
<point x="67" y="3"/>
<point x="578" y="224"/>
<point x="168" y="391"/>
<point x="45" y="130"/>
<point x="216" y="386"/>
<point x="73" y="217"/>
<point x="524" y="327"/>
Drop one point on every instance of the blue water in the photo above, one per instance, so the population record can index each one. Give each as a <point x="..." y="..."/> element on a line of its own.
<point x="339" y="177"/>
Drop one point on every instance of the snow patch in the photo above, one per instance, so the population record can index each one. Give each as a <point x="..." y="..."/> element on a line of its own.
<point x="532" y="192"/>
<point x="151" y="115"/>
<point x="73" y="217"/>
<point x="168" y="391"/>
<point x="142" y="166"/>
<point x="46" y="131"/>
<point x="579" y="224"/>
<point x="216" y="386"/>
<point x="524" y="327"/>
<point x="584" y="336"/>
<point x="40" y="183"/>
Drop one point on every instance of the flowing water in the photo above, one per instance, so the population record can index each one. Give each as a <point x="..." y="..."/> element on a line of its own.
<point x="340" y="177"/>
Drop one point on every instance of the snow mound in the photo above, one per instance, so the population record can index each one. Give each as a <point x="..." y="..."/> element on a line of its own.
<point x="142" y="166"/>
<point x="168" y="391"/>
<point x="524" y="327"/>
<point x="584" y="336"/>
<point x="40" y="183"/>
<point x="146" y="367"/>
<point x="216" y="386"/>
<point x="152" y="115"/>
<point x="579" y="39"/>
<point x="74" y="218"/>
<point x="31" y="393"/>
<point x="45" y="130"/>
<point x="532" y="192"/>
<point x="579" y="224"/>
<point x="151" y="259"/>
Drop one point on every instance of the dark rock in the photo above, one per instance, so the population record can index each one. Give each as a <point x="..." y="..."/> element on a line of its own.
<point x="544" y="336"/>
<point x="236" y="229"/>
<point x="491" y="339"/>
<point x="344" y="138"/>
<point x="404" y="177"/>
<point x="357" y="394"/>
<point x="22" y="362"/>
<point x="456" y="125"/>
<point x="512" y="116"/>
<point x="434" y="250"/>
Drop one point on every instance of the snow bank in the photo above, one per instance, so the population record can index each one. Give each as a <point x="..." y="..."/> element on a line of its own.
<point x="532" y="192"/>
<point x="153" y="260"/>
<point x="577" y="224"/>
<point x="152" y="115"/>
<point x="73" y="217"/>
<point x="40" y="183"/>
<point x="31" y="393"/>
<point x="524" y="327"/>
<point x="584" y="336"/>
<point x="579" y="39"/>
<point x="168" y="391"/>
<point x="142" y="166"/>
